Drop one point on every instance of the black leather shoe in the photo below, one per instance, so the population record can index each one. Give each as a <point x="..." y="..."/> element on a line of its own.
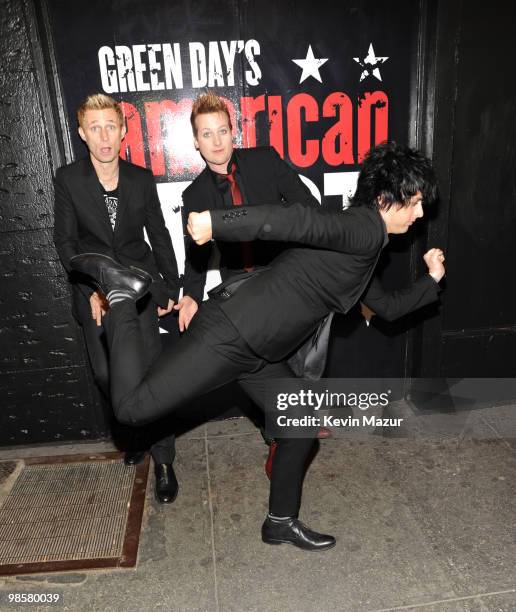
<point x="292" y="531"/>
<point x="134" y="457"/>
<point x="109" y="275"/>
<point x="166" y="483"/>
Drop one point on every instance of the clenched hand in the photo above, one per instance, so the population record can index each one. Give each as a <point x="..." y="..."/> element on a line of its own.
<point x="199" y="227"/>
<point x="434" y="259"/>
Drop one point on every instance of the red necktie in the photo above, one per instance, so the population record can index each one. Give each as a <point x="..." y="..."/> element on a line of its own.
<point x="236" y="196"/>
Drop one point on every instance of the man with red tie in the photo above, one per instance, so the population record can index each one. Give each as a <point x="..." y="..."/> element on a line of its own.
<point x="232" y="177"/>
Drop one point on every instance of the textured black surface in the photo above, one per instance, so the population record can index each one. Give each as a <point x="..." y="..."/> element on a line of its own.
<point x="487" y="354"/>
<point x="48" y="405"/>
<point x="26" y="187"/>
<point x="44" y="386"/>
<point x="35" y="320"/>
<point x="482" y="249"/>
<point x="474" y="135"/>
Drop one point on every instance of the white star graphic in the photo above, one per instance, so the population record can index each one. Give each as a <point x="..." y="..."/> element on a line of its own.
<point x="310" y="65"/>
<point x="370" y="63"/>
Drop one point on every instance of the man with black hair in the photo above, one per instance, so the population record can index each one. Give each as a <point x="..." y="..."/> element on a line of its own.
<point x="255" y="322"/>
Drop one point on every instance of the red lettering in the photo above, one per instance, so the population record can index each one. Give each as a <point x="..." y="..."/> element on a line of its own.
<point x="169" y="132"/>
<point x="297" y="104"/>
<point x="249" y="108"/>
<point x="379" y="102"/>
<point x="132" y="146"/>
<point x="337" y="143"/>
<point x="169" y="140"/>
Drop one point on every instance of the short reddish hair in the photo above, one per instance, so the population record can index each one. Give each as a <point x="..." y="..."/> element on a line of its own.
<point x="208" y="103"/>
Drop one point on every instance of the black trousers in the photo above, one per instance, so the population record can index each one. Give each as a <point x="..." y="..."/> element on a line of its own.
<point x="126" y="438"/>
<point x="210" y="355"/>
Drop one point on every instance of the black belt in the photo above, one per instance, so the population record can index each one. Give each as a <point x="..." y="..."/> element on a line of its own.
<point x="309" y="360"/>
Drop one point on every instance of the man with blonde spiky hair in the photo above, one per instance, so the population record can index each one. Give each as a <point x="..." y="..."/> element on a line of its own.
<point x="99" y="102"/>
<point x="103" y="204"/>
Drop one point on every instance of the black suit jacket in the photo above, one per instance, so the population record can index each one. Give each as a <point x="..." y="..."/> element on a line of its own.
<point x="264" y="178"/>
<point x="282" y="306"/>
<point x="82" y="225"/>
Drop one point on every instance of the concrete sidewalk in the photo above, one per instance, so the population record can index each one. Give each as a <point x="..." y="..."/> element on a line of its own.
<point x="421" y="524"/>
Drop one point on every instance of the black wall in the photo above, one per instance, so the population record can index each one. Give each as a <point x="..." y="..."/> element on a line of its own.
<point x="45" y="390"/>
<point x="472" y="138"/>
<point x="462" y="113"/>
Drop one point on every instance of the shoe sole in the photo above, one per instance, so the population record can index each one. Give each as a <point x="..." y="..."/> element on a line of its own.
<point x="93" y="280"/>
<point x="96" y="255"/>
<point x="101" y="288"/>
<point x="274" y="542"/>
<point x="139" y="271"/>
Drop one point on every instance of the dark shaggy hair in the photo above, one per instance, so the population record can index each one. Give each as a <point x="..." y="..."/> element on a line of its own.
<point x="394" y="174"/>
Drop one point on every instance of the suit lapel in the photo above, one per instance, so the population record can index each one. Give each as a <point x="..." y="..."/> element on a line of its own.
<point x="94" y="193"/>
<point x="246" y="176"/>
<point x="123" y="193"/>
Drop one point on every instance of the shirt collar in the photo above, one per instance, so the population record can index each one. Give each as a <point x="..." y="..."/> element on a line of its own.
<point x="385" y="234"/>
<point x="216" y="176"/>
<point x="375" y="216"/>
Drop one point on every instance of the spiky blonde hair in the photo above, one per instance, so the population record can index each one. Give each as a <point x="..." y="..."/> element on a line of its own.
<point x="99" y="101"/>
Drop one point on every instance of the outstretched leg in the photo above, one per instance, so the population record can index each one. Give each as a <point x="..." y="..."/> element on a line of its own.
<point x="209" y="356"/>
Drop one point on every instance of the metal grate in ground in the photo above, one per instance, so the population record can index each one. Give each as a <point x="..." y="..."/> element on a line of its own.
<point x="72" y="514"/>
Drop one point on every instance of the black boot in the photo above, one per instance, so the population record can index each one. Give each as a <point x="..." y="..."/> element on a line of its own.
<point x="166" y="483"/>
<point x="290" y="530"/>
<point x="110" y="276"/>
<point x="133" y="457"/>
